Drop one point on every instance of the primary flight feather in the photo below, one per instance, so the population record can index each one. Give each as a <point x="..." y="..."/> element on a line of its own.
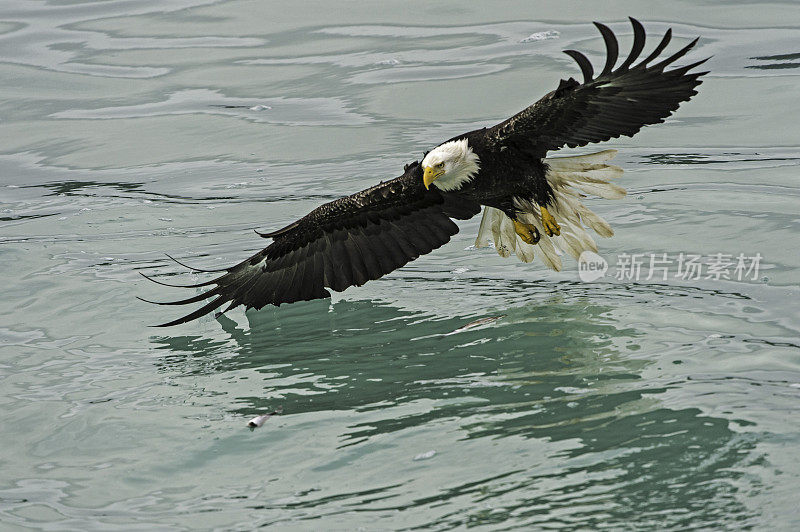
<point x="531" y="203"/>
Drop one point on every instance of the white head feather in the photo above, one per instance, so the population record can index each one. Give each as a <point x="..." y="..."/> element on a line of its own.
<point x="460" y="164"/>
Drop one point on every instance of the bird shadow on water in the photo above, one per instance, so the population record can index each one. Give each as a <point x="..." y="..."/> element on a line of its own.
<point x="560" y="371"/>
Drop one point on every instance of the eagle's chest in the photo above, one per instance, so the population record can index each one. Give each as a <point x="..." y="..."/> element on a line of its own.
<point x="505" y="174"/>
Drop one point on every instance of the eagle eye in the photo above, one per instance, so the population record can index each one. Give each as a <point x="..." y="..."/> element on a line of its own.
<point x="441" y="164"/>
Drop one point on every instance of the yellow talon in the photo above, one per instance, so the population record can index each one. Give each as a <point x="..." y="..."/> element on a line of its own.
<point x="551" y="227"/>
<point x="528" y="233"/>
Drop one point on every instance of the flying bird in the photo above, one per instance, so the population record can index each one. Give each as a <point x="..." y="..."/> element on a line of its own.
<point x="532" y="204"/>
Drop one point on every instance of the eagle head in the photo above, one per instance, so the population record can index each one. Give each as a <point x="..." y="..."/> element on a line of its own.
<point x="450" y="166"/>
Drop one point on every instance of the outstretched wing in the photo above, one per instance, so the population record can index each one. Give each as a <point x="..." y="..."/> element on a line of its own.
<point x="346" y="242"/>
<point x="619" y="101"/>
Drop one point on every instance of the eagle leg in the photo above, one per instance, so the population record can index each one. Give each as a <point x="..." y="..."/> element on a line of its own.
<point x="527" y="232"/>
<point x="551" y="227"/>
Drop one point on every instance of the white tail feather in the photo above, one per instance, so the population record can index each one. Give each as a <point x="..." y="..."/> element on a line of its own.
<point x="485" y="236"/>
<point x="524" y="251"/>
<point x="570" y="178"/>
<point x="503" y="239"/>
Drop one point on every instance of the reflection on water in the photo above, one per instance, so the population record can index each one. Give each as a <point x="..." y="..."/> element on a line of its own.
<point x="559" y="374"/>
<point x="777" y="61"/>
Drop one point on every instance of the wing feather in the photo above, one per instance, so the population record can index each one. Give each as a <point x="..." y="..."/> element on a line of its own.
<point x="619" y="101"/>
<point x="583" y="62"/>
<point x="639" y="37"/>
<point x="658" y="49"/>
<point x="343" y="243"/>
<point x="612" y="47"/>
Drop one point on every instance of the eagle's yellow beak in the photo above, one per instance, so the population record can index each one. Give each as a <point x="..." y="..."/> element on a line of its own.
<point x="430" y="175"/>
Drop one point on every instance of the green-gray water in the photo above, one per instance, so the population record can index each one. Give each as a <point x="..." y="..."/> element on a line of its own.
<point x="130" y="129"/>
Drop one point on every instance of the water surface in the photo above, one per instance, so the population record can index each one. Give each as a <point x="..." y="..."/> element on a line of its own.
<point x="130" y="129"/>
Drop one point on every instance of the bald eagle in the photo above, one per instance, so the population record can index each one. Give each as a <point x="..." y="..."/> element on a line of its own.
<point x="531" y="203"/>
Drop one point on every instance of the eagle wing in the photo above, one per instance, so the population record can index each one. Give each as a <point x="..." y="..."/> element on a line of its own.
<point x="619" y="101"/>
<point x="344" y="243"/>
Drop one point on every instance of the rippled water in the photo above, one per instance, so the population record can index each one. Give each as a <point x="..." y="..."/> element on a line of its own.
<point x="130" y="129"/>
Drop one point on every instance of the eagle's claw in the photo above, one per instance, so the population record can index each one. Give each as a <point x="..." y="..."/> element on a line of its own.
<point x="528" y="233"/>
<point x="551" y="227"/>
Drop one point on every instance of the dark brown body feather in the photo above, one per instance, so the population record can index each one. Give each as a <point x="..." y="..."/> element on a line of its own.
<point x="362" y="237"/>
